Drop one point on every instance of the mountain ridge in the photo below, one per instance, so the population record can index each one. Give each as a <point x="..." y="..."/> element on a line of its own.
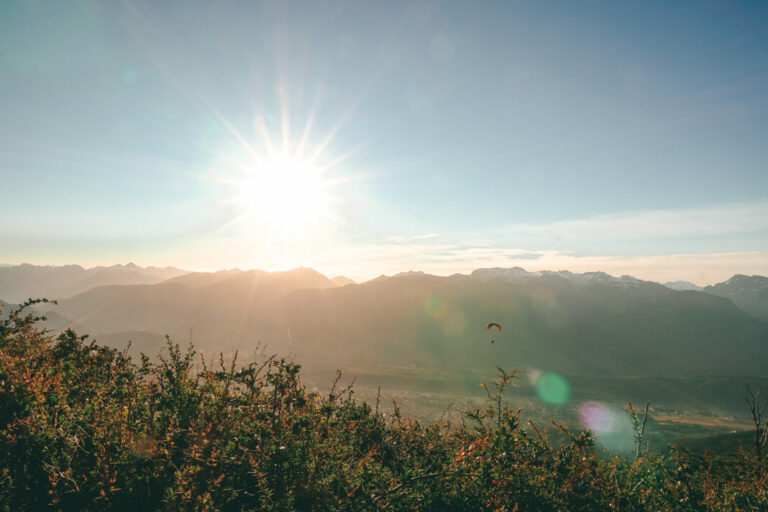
<point x="750" y="293"/>
<point x="20" y="282"/>
<point x="566" y="322"/>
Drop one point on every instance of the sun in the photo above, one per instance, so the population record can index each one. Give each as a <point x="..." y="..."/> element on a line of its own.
<point x="287" y="195"/>
<point x="277" y="191"/>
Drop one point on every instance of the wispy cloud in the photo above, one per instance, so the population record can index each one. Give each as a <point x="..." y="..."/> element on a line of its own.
<point x="407" y="239"/>
<point x="654" y="224"/>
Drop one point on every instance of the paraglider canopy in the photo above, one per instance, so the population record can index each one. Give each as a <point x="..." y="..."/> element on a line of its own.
<point x="490" y="325"/>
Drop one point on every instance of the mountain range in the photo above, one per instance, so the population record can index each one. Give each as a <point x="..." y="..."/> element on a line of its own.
<point x="20" y="282"/>
<point x="750" y="293"/>
<point x="589" y="323"/>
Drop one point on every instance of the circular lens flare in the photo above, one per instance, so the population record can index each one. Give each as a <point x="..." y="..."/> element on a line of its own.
<point x="597" y="417"/>
<point x="612" y="426"/>
<point x="553" y="388"/>
<point x="436" y="306"/>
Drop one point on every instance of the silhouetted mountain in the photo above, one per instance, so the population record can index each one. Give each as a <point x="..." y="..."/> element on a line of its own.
<point x="20" y="282"/>
<point x="574" y="323"/>
<point x="750" y="293"/>
<point x="212" y="306"/>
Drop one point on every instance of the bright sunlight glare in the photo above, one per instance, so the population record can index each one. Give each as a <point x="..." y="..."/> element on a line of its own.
<point x="287" y="195"/>
<point x="280" y="197"/>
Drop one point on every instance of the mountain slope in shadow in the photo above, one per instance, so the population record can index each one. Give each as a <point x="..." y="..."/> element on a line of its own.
<point x="574" y="323"/>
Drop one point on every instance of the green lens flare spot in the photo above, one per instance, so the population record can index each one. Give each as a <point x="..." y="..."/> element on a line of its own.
<point x="436" y="306"/>
<point x="552" y="388"/>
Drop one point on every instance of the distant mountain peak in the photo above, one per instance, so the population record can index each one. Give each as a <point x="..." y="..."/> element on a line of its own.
<point x="506" y="274"/>
<point x="750" y="293"/>
<point x="302" y="273"/>
<point x="736" y="278"/>
<point x="517" y="274"/>
<point x="410" y="273"/>
<point x="60" y="281"/>
<point x="342" y="281"/>
<point x="741" y="280"/>
<point x="682" y="286"/>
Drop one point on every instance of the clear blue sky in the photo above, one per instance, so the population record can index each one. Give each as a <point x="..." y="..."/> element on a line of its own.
<point x="624" y="136"/>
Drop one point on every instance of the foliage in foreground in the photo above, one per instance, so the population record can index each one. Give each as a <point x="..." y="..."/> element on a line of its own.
<point x="83" y="427"/>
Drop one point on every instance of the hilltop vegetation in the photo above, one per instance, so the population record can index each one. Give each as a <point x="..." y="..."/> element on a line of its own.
<point x="84" y="427"/>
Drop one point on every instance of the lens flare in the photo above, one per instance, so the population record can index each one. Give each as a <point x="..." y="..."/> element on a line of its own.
<point x="612" y="426"/>
<point x="597" y="417"/>
<point x="436" y="307"/>
<point x="553" y="389"/>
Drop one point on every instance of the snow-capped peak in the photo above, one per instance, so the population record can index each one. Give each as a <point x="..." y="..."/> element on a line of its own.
<point x="503" y="274"/>
<point x="682" y="286"/>
<point x="517" y="274"/>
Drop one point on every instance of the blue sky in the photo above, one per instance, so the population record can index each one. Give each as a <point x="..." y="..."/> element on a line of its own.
<point x="616" y="136"/>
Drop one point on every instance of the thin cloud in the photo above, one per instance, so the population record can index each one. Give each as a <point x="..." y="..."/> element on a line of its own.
<point x="654" y="224"/>
<point x="407" y="239"/>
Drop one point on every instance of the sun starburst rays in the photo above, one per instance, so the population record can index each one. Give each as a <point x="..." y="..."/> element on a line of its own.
<point x="281" y="194"/>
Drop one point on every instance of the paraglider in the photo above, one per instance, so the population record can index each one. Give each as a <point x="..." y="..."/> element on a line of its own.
<point x="490" y="325"/>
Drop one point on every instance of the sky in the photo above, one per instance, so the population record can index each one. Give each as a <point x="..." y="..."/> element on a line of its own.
<point x="366" y="138"/>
